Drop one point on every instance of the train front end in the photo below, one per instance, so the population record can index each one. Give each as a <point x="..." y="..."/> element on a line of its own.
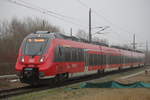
<point x="34" y="59"/>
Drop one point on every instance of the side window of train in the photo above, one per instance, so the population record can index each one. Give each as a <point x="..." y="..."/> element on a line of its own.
<point x="90" y="59"/>
<point x="97" y="59"/>
<point x="94" y="59"/>
<point x="67" y="53"/>
<point x="120" y="59"/>
<point x="58" y="54"/>
<point x="78" y="55"/>
<point x="59" y="51"/>
<point x="101" y="57"/>
<point x="108" y="59"/>
<point x="74" y="54"/>
<point x="81" y="53"/>
<point x="103" y="60"/>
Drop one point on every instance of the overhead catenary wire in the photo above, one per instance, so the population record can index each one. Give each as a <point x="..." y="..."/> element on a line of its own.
<point x="86" y="6"/>
<point x="58" y="14"/>
<point x="112" y="24"/>
<point x="102" y="16"/>
<point x="83" y="4"/>
<point x="47" y="12"/>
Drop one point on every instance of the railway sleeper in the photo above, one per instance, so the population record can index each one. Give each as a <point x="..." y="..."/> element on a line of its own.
<point x="101" y="71"/>
<point x="61" y="77"/>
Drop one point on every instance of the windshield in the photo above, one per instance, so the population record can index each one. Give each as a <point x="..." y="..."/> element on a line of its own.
<point x="35" y="46"/>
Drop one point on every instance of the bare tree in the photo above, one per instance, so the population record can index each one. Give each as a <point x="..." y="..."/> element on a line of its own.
<point x="82" y="34"/>
<point x="12" y="33"/>
<point x="127" y="46"/>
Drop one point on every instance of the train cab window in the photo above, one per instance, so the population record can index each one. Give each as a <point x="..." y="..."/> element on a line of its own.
<point x="35" y="46"/>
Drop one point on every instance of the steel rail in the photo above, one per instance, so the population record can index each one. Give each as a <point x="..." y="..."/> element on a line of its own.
<point x="4" y="94"/>
<point x="8" y="76"/>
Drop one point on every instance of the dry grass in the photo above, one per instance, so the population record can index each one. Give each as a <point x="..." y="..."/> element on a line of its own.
<point x="119" y="94"/>
<point x="94" y="93"/>
<point x="6" y="84"/>
<point x="142" y="77"/>
<point x="102" y="94"/>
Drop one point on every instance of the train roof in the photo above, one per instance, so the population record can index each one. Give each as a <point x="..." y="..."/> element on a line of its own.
<point x="62" y="36"/>
<point x="59" y="35"/>
<point x="73" y="38"/>
<point x="123" y="48"/>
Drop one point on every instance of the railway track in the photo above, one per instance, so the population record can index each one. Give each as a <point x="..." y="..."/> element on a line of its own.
<point x="8" y="76"/>
<point x="12" y="92"/>
<point x="4" y="94"/>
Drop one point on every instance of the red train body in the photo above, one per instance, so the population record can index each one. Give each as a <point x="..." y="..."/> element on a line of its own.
<point x="47" y="55"/>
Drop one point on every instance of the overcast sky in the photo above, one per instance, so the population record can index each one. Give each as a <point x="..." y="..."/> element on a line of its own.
<point x="125" y="17"/>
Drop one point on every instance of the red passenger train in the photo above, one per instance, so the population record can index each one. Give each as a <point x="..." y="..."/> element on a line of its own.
<point x="44" y="56"/>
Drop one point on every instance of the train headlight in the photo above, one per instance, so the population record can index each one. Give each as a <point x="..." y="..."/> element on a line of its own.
<point x="42" y="59"/>
<point x="22" y="59"/>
